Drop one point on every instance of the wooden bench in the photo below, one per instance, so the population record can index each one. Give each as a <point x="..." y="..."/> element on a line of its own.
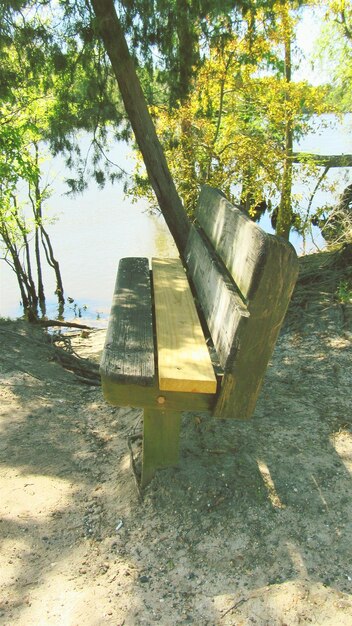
<point x="158" y="355"/>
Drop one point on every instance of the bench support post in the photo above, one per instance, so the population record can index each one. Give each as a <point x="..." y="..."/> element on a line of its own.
<point x="161" y="441"/>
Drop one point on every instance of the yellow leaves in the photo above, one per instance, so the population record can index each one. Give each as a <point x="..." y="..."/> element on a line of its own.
<point x="231" y="131"/>
<point x="339" y="7"/>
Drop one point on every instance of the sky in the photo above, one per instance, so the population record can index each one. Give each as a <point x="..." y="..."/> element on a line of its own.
<point x="308" y="31"/>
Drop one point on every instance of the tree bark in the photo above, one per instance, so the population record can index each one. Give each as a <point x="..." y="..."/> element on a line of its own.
<point x="36" y="205"/>
<point x="171" y="206"/>
<point x="41" y="293"/>
<point x="17" y="268"/>
<point x="27" y="270"/>
<point x="188" y="48"/>
<point x="49" y="253"/>
<point x="284" y="216"/>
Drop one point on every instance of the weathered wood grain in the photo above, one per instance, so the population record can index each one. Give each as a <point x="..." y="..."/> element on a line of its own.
<point x="134" y="395"/>
<point x="239" y="242"/>
<point x="220" y="302"/>
<point x="161" y="419"/>
<point x="256" y="336"/>
<point x="128" y="354"/>
<point x="161" y="442"/>
<point x="264" y="268"/>
<point x="183" y="358"/>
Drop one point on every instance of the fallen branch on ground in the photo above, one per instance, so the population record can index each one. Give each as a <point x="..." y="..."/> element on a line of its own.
<point x="47" y="323"/>
<point x="85" y="370"/>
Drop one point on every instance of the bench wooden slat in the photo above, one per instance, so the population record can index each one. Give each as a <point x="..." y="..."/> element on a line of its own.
<point x="256" y="339"/>
<point x="128" y="354"/>
<point x="264" y="268"/>
<point x="183" y="358"/>
<point x="134" y="395"/>
<point x="240" y="243"/>
<point x="221" y="304"/>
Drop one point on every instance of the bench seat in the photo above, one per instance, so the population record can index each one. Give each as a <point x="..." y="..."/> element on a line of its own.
<point x="155" y="355"/>
<point x="183" y="358"/>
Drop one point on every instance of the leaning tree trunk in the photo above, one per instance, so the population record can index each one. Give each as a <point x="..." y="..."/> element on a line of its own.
<point x="17" y="268"/>
<point x="29" y="299"/>
<point x="111" y="32"/>
<point x="49" y="253"/>
<point x="27" y="271"/>
<point x="45" y="240"/>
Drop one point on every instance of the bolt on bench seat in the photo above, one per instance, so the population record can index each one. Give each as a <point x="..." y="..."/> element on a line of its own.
<point x="155" y="355"/>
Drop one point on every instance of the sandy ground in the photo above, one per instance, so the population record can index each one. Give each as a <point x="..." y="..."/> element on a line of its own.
<point x="253" y="527"/>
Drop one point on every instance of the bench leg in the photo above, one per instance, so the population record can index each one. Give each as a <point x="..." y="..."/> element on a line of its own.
<point x="161" y="441"/>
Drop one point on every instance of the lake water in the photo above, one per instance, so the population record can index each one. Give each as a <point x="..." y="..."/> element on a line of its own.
<point x="93" y="231"/>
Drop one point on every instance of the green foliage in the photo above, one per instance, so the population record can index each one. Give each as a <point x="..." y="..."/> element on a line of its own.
<point x="344" y="292"/>
<point x="24" y="113"/>
<point x="230" y="133"/>
<point x="169" y="37"/>
<point x="21" y="217"/>
<point x="49" y="51"/>
<point x="335" y="52"/>
<point x="216" y="74"/>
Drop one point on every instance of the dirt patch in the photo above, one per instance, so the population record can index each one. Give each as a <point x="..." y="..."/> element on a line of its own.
<point x="253" y="527"/>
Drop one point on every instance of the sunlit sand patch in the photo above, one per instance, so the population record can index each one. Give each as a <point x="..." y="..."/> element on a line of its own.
<point x="297" y="559"/>
<point x="293" y="602"/>
<point x="125" y="462"/>
<point x="10" y="565"/>
<point x="31" y="497"/>
<point x="270" y="485"/>
<point x="342" y="442"/>
<point x="61" y="600"/>
<point x="338" y="342"/>
<point x="8" y="397"/>
<point x="62" y="605"/>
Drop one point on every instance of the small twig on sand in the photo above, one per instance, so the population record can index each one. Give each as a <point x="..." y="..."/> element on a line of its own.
<point x="235" y="606"/>
<point x="243" y="600"/>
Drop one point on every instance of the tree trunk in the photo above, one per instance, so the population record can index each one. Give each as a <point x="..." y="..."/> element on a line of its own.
<point x="41" y="293"/>
<point x="45" y="239"/>
<point x="160" y="178"/>
<point x="49" y="253"/>
<point x="22" y="278"/>
<point x="37" y="219"/>
<point x="27" y="271"/>
<point x="284" y="217"/>
<point x="188" y="48"/>
<point x="17" y="268"/>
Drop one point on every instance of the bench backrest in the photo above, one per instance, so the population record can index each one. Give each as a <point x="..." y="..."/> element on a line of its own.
<point x="244" y="279"/>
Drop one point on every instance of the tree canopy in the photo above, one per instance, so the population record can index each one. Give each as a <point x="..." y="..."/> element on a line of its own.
<point x="217" y="78"/>
<point x="334" y="52"/>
